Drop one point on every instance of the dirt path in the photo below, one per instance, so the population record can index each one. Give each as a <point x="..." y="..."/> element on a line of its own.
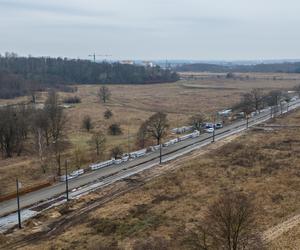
<point x="276" y="231"/>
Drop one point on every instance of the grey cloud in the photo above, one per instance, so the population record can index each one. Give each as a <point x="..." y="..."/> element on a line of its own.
<point x="48" y="7"/>
<point x="192" y="29"/>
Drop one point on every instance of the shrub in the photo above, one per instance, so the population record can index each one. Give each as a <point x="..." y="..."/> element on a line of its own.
<point x="156" y="243"/>
<point x="125" y="227"/>
<point x="104" y="226"/>
<point x="87" y="123"/>
<point x="72" y="100"/>
<point x="115" y="129"/>
<point x="108" y="114"/>
<point x="230" y="75"/>
<point x="277" y="198"/>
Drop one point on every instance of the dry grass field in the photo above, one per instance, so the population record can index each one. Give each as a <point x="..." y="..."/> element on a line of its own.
<point x="133" y="104"/>
<point x="160" y="213"/>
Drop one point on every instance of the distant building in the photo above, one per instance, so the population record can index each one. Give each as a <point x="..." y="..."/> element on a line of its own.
<point x="148" y="64"/>
<point x="129" y="62"/>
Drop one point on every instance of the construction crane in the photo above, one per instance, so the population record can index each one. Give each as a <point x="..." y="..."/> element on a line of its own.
<point x="94" y="56"/>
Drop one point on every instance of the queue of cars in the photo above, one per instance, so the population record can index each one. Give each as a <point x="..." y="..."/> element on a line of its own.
<point x="207" y="127"/>
<point x="211" y="127"/>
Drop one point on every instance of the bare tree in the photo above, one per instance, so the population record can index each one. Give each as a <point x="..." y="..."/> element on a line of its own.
<point x="116" y="152"/>
<point x="40" y="131"/>
<point x="79" y="156"/>
<point x="273" y="97"/>
<point x="13" y="129"/>
<point x="257" y="99"/>
<point x="87" y="123"/>
<point x="157" y="126"/>
<point x="196" y="121"/>
<point x="104" y="94"/>
<point x="245" y="105"/>
<point x="98" y="141"/>
<point x="142" y="135"/>
<point x="252" y="101"/>
<point x="229" y="223"/>
<point x="9" y="133"/>
<point x="57" y="124"/>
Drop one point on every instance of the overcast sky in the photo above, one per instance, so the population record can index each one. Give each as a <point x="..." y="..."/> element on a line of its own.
<point x="152" y="29"/>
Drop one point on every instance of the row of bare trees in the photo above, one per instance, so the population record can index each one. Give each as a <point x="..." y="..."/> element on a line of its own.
<point x="256" y="100"/>
<point x="14" y="128"/>
<point x="49" y="129"/>
<point x="44" y="128"/>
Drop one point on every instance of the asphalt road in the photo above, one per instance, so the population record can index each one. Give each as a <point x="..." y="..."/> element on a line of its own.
<point x="135" y="165"/>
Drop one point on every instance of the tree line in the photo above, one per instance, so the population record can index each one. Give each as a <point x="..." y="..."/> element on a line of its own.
<point x="256" y="99"/>
<point x="259" y="68"/>
<point x="20" y="75"/>
<point x="25" y="128"/>
<point x="45" y="127"/>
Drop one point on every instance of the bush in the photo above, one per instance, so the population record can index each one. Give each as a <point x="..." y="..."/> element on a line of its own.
<point x="108" y="114"/>
<point x="230" y="75"/>
<point x="115" y="129"/>
<point x="155" y="243"/>
<point x="87" y="123"/>
<point x="104" y="226"/>
<point x="72" y="100"/>
<point x="126" y="227"/>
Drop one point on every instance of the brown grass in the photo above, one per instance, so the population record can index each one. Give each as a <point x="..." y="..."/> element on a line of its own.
<point x="133" y="104"/>
<point x="165" y="209"/>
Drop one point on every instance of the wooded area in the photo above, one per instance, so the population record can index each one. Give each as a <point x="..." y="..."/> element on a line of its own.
<point x="257" y="68"/>
<point x="21" y="75"/>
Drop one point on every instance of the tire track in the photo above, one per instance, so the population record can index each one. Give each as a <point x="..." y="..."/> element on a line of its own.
<point x="276" y="231"/>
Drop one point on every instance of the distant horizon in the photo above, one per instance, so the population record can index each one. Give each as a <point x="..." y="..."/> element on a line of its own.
<point x="162" y="59"/>
<point x="232" y="30"/>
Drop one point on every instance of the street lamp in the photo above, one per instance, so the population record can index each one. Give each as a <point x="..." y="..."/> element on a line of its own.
<point x="67" y="181"/>
<point x="160" y="154"/>
<point x="214" y="129"/>
<point x="18" y="203"/>
<point x="247" y="123"/>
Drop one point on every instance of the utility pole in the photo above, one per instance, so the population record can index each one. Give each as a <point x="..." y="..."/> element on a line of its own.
<point x="177" y="126"/>
<point x="18" y="204"/>
<point x="128" y="138"/>
<point x="271" y="111"/>
<point x="67" y="181"/>
<point x="247" y="123"/>
<point x="214" y="127"/>
<point x="160" y="154"/>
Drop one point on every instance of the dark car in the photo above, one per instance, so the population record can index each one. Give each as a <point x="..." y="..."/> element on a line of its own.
<point x="218" y="125"/>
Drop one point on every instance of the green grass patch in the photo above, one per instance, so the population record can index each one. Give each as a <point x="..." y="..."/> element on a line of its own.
<point x="126" y="227"/>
